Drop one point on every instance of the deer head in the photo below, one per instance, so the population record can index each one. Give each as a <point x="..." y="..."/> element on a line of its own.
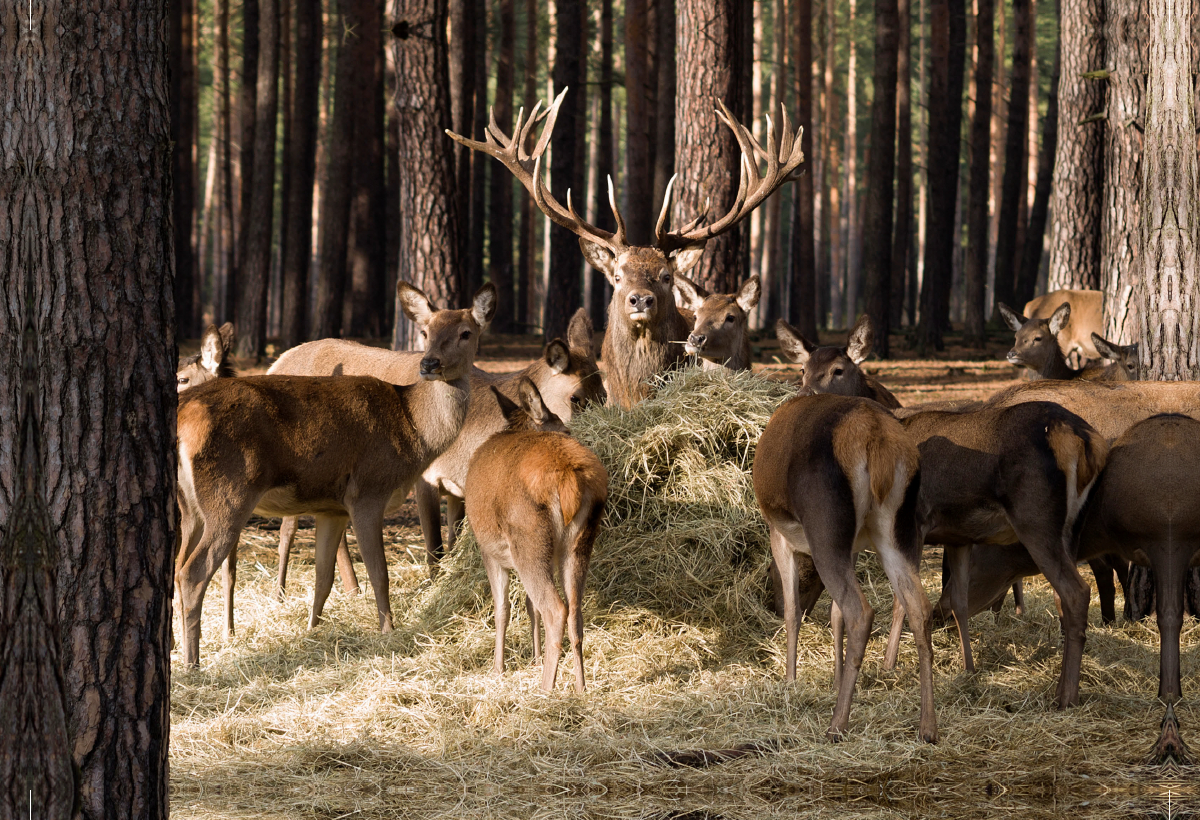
<point x="719" y="332"/>
<point x="830" y="369"/>
<point x="1125" y="363"/>
<point x="211" y="363"/>
<point x="1036" y="346"/>
<point x="451" y="337"/>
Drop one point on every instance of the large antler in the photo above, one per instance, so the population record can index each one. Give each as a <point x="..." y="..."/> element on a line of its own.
<point x="527" y="168"/>
<point x="783" y="156"/>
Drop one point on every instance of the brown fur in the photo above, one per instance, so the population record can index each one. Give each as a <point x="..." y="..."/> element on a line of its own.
<point x="1087" y="317"/>
<point x="516" y="481"/>
<point x="862" y="432"/>
<point x="341" y="447"/>
<point x="1038" y="348"/>
<point x="720" y="328"/>
<point x="835" y="370"/>
<point x="212" y="362"/>
<point x="1084" y="452"/>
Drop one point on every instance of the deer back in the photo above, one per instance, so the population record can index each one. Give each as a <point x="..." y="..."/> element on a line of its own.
<point x="1110" y="407"/>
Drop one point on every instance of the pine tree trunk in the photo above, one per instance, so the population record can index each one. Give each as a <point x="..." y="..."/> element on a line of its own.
<point x="87" y="359"/>
<point x="974" y="334"/>
<point x="601" y="292"/>
<point x="1031" y="257"/>
<point x="774" y="256"/>
<point x="877" y="224"/>
<point x="1079" y="165"/>
<point x="391" y="206"/>
<point x="711" y="49"/>
<point x="1013" y="186"/>
<point x="803" y="296"/>
<point x="829" y="289"/>
<point x="850" y="180"/>
<point x="640" y="87"/>
<point x="222" y="300"/>
<point x="247" y="110"/>
<point x="527" y="238"/>
<point x="297" y="207"/>
<point x="500" y="209"/>
<point x="464" y="55"/>
<point x="564" y="289"/>
<point x="901" y="235"/>
<point x="1167" y="285"/>
<point x="1128" y="36"/>
<point x="480" y="164"/>
<point x="946" y="55"/>
<point x="183" y="136"/>
<point x="664" y="117"/>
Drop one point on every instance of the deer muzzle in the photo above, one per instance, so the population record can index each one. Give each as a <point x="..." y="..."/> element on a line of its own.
<point x="640" y="305"/>
<point x="695" y="344"/>
<point x="1014" y="358"/>
<point x="431" y="368"/>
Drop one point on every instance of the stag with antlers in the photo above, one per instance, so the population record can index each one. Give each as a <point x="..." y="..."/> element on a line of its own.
<point x="645" y="329"/>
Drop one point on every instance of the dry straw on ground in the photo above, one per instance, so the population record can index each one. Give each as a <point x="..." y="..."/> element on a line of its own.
<point x="682" y="655"/>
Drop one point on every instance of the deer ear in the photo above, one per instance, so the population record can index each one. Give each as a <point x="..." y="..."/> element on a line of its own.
<point x="531" y="400"/>
<point x="227" y="335"/>
<point x="579" y="332"/>
<point x="414" y="303"/>
<point x="508" y="407"/>
<point x="862" y="339"/>
<point x="793" y="344"/>
<point x="1060" y="317"/>
<point x="749" y="293"/>
<point x="557" y="356"/>
<point x="1106" y="348"/>
<point x="212" y="349"/>
<point x="691" y="296"/>
<point x="483" y="307"/>
<point x="1011" y="318"/>
<point x="600" y="258"/>
<point x="684" y="260"/>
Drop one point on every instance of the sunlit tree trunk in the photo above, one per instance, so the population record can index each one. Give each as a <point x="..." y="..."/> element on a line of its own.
<point x="1012" y="189"/>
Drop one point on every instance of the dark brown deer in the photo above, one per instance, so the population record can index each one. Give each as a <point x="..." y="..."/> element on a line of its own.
<point x="566" y="377"/>
<point x="644" y="326"/>
<point x="832" y="369"/>
<point x="212" y="362"/>
<point x="341" y="448"/>
<point x="1038" y="349"/>
<point x="1087" y="317"/>
<point x="720" y="334"/>
<point x="535" y="497"/>
<point x="834" y="475"/>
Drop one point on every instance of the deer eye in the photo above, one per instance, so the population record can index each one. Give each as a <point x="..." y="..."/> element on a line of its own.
<point x="728" y="318"/>
<point x="1037" y="338"/>
<point x="666" y="277"/>
<point x="466" y="334"/>
<point x="184" y="380"/>
<point x="837" y="371"/>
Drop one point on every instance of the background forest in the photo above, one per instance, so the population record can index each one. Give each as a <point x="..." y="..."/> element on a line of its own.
<point x="302" y="236"/>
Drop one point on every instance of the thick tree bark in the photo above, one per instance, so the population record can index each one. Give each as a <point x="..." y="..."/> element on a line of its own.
<point x="526" y="240"/>
<point x="256" y="262"/>
<point x="1031" y="257"/>
<point x="974" y="334"/>
<point x="804" y="262"/>
<point x="1012" y="189"/>
<point x="640" y="88"/>
<point x="183" y="138"/>
<point x="664" y="118"/>
<point x="365" y="245"/>
<point x="947" y="52"/>
<point x="564" y="290"/>
<point x="297" y="206"/>
<point x="901" y="234"/>
<point x="391" y="206"/>
<point x="87" y="483"/>
<point x="428" y="210"/>
<point x="1167" y="285"/>
<point x="500" y="210"/>
<point x="247" y="111"/>
<point x="1079" y="165"/>
<point x="711" y="48"/>
<point x="334" y="227"/>
<point x="877" y="225"/>
<point x="1128" y="37"/>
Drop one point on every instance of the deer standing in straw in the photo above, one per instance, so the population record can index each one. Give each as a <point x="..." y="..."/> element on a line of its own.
<point x="645" y="328"/>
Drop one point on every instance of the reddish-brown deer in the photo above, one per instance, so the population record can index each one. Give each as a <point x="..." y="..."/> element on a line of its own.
<point x="832" y="369"/>
<point x="1087" y="317"/>
<point x="566" y="377"/>
<point x="834" y="475"/>
<point x="720" y="334"/>
<point x="212" y="362"/>
<point x="645" y="328"/>
<point x="535" y="497"/>
<point x="341" y="448"/>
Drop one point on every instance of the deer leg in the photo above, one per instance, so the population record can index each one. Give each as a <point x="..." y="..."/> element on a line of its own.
<point x="329" y="530"/>
<point x="287" y="534"/>
<point x="958" y="560"/>
<point x="534" y="560"/>
<point x="893" y="645"/>
<point x="903" y="571"/>
<point x="429" y="508"/>
<point x="196" y="570"/>
<point x="346" y="567"/>
<point x="367" y="517"/>
<point x="785" y="563"/>
<point x="455" y="509"/>
<point x="574" y="578"/>
<point x="1106" y="590"/>
<point x="228" y="581"/>
<point x="1018" y="591"/>
<point x="853" y="608"/>
<point x="1054" y="554"/>
<point x="1170" y="576"/>
<point x="498" y="581"/>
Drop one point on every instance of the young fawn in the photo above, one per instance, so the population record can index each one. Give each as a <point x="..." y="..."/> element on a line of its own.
<point x="534" y="497"/>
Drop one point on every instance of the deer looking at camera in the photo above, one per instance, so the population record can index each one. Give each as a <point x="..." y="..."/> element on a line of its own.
<point x="720" y="335"/>
<point x="1037" y="348"/>
<point x="834" y="475"/>
<point x="565" y="375"/>
<point x="1087" y="317"/>
<point x="341" y="448"/>
<point x="535" y="497"/>
<point x="645" y="328"/>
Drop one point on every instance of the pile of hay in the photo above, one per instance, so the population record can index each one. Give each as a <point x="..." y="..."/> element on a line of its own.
<point x="683" y="539"/>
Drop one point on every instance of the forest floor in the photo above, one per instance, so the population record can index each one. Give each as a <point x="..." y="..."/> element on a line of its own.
<point x="340" y="721"/>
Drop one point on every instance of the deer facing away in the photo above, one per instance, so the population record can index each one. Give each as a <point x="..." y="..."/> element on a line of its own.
<point x="535" y="497"/>
<point x="644" y="325"/>
<point x="342" y="448"/>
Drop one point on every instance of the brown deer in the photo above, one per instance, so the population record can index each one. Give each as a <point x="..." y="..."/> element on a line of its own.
<point x="339" y="448"/>
<point x="1087" y="316"/>
<point x="720" y="335"/>
<point x="832" y="369"/>
<point x="535" y="497"/>
<point x="834" y="475"/>
<point x="645" y="328"/>
<point x="1037" y="348"/>
<point x="212" y="362"/>
<point x="566" y="377"/>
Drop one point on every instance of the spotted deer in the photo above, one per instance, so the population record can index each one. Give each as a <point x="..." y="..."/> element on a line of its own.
<point x="834" y="475"/>
<point x="566" y="377"/>
<point x="645" y="328"/>
<point x="341" y="448"/>
<point x="212" y="362"/>
<point x="720" y="334"/>
<point x="534" y="498"/>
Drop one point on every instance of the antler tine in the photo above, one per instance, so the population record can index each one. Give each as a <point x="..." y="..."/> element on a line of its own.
<point x="567" y="218"/>
<point x="619" y="236"/>
<point x="548" y="129"/>
<point x="659" y="233"/>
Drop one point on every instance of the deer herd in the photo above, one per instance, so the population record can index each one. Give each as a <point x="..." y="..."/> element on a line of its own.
<point x="1081" y="463"/>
